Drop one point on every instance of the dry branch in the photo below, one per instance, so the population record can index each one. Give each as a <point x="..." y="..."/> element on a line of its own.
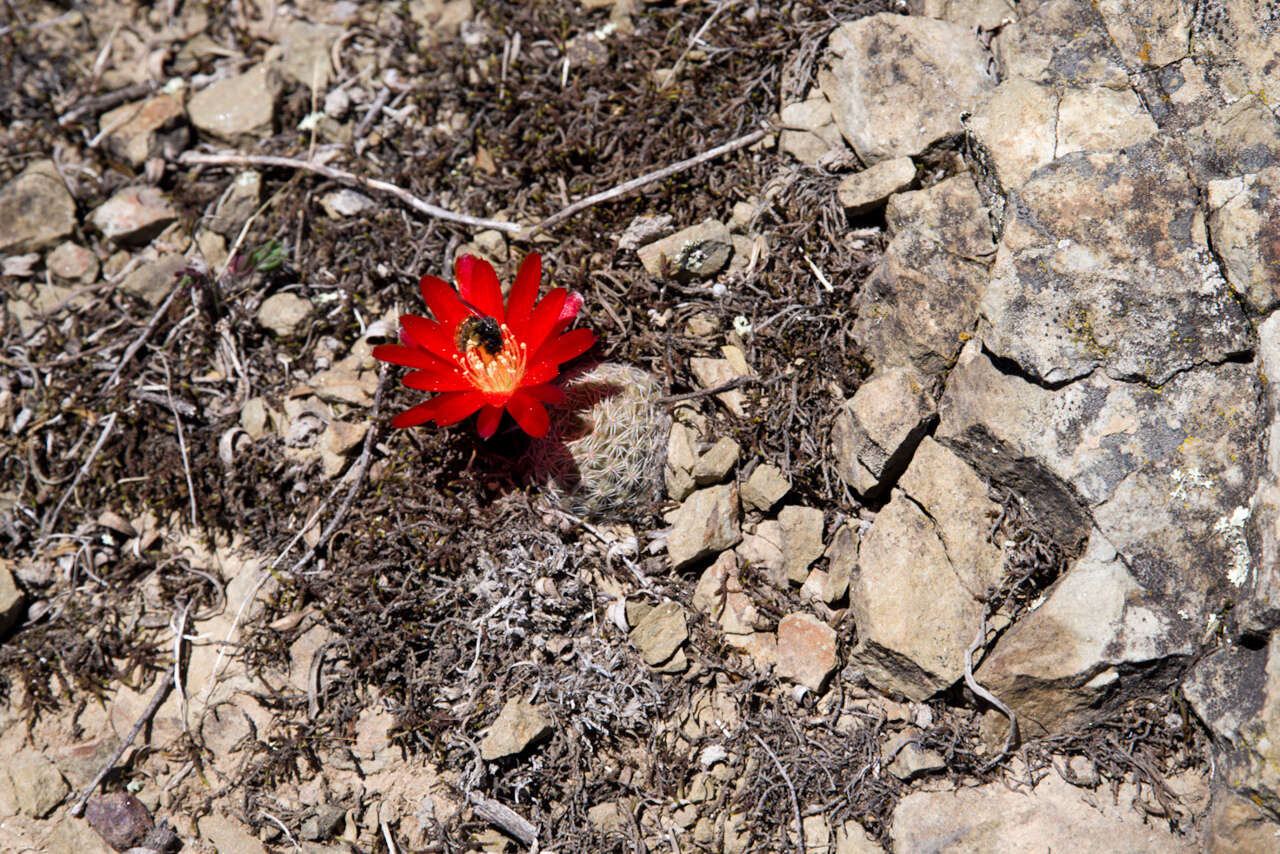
<point x="196" y="158"/>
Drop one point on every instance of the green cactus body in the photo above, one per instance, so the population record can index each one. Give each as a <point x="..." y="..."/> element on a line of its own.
<point x="603" y="453"/>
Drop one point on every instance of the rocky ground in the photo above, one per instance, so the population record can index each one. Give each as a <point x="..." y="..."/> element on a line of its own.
<point x="921" y="493"/>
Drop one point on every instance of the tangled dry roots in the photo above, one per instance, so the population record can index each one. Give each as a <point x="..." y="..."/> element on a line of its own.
<point x="603" y="452"/>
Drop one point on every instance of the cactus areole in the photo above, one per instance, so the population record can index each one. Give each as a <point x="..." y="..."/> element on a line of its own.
<point x="482" y="356"/>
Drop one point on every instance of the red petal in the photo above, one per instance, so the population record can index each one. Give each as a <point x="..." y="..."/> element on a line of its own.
<point x="540" y="372"/>
<point x="488" y="420"/>
<point x="429" y="335"/>
<point x="524" y="292"/>
<point x="479" y="286"/>
<point x="435" y="381"/>
<point x="529" y="413"/>
<point x="544" y="317"/>
<point x="411" y="357"/>
<point x="455" y="406"/>
<point x="443" y="302"/>
<point x="415" y="415"/>
<point x="546" y="393"/>
<point x="565" y="347"/>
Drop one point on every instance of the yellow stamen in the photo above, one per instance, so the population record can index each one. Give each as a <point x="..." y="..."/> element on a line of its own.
<point x="500" y="373"/>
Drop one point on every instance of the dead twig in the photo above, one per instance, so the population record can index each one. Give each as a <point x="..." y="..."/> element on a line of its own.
<point x="718" y="389"/>
<point x="649" y="178"/>
<point x="982" y="692"/>
<point x="362" y="468"/>
<point x="196" y="158"/>
<point x="146" y="332"/>
<point x="147" y="714"/>
<point x="182" y="443"/>
<point x="505" y="819"/>
<point x="93" y="455"/>
<point x="795" y="801"/>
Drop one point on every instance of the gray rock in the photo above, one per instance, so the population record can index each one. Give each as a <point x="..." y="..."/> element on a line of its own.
<point x="138" y="131"/>
<point x="660" y="632"/>
<point x="306" y="49"/>
<point x="1243" y="216"/>
<point x="955" y="498"/>
<point x="36" y="211"/>
<point x="842" y="557"/>
<point x="816" y="132"/>
<point x="227" y="835"/>
<point x="237" y="107"/>
<point x="284" y="313"/>
<point x="37" y="785"/>
<point x="681" y="458"/>
<point x="715" y="464"/>
<point x="970" y="14"/>
<point x="720" y="595"/>
<point x="877" y="431"/>
<point x="1017" y="128"/>
<point x="910" y="760"/>
<point x="325" y="822"/>
<point x="73" y="263"/>
<point x="914" y="617"/>
<point x="919" y="305"/>
<point x="696" y="252"/>
<point x="134" y="215"/>
<point x="1238" y="825"/>
<point x="706" y="523"/>
<point x="645" y="229"/>
<point x="1259" y="612"/>
<point x="1104" y="263"/>
<point x="806" y="650"/>
<point x="1227" y="689"/>
<point x="712" y="373"/>
<point x="240" y="201"/>
<point x="12" y="601"/>
<point x="996" y="819"/>
<point x="1060" y="42"/>
<point x="1150" y="33"/>
<point x="763" y="550"/>
<point x="1092" y="644"/>
<point x="898" y="85"/>
<point x="867" y="190"/>
<point x="152" y="280"/>
<point x="950" y="214"/>
<point x="1099" y="118"/>
<point x="801" y="529"/>
<point x="344" y="203"/>
<point x="764" y="488"/>
<point x="518" y="727"/>
<point x="1163" y="472"/>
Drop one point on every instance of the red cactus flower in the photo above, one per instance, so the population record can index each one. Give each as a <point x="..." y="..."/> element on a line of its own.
<point x="483" y="356"/>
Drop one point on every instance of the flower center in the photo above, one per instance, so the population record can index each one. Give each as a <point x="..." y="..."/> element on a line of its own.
<point x="495" y="373"/>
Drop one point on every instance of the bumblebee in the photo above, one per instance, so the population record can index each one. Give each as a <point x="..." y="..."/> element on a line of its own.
<point x="478" y="331"/>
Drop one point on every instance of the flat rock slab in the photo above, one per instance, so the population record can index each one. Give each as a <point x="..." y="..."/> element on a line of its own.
<point x="1080" y="649"/>
<point x="134" y="215"/>
<point x="995" y="819"/>
<point x="921" y="302"/>
<point x="518" y="726"/>
<point x="696" y="252"/>
<point x="706" y="523"/>
<point x="1245" y="224"/>
<point x="660" y="633"/>
<point x="1162" y="472"/>
<point x="914" y="616"/>
<point x="240" y="106"/>
<point x="36" y="211"/>
<point x="1104" y="263"/>
<point x="899" y="84"/>
<point x="806" y="650"/>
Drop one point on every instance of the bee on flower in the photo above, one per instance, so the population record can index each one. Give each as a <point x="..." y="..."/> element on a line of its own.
<point x="480" y="355"/>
